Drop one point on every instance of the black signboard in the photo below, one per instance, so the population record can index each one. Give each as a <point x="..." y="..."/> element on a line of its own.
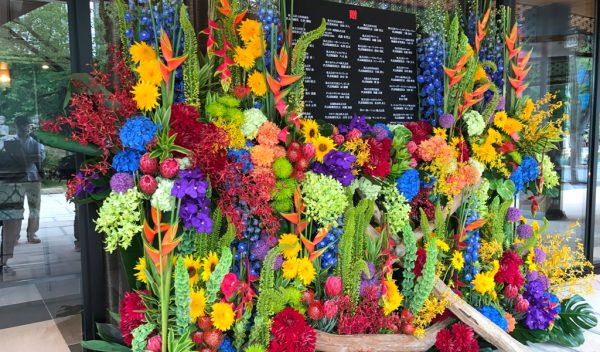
<point x="365" y="64"/>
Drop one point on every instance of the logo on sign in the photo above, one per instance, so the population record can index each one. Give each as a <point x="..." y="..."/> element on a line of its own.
<point x="353" y="15"/>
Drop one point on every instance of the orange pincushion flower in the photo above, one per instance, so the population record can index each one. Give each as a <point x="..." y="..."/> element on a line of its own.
<point x="435" y="147"/>
<point x="469" y="175"/>
<point x="267" y="134"/>
<point x="262" y="155"/>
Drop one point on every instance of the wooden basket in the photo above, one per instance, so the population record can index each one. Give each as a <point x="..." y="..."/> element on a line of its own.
<point x="379" y="343"/>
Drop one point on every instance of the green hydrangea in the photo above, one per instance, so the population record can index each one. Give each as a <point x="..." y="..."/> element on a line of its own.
<point x="324" y="197"/>
<point x="366" y="187"/>
<point x="282" y="168"/>
<point x="253" y="119"/>
<point x="551" y="178"/>
<point x="396" y="207"/>
<point x="120" y="218"/>
<point x="475" y="123"/>
<point x="162" y="199"/>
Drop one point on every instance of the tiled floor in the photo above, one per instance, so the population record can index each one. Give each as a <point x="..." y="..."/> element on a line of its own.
<point x="40" y="305"/>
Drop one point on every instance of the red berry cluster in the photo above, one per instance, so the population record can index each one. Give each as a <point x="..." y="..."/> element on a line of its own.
<point x="300" y="155"/>
<point x="207" y="339"/>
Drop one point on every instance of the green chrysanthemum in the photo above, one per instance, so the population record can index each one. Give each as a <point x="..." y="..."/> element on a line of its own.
<point x="282" y="168"/>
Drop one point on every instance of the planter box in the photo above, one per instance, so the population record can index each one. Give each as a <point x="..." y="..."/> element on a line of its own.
<point x="379" y="343"/>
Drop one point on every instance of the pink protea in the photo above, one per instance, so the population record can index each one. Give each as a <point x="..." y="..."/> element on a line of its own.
<point x="169" y="168"/>
<point x="333" y="286"/>
<point x="154" y="344"/>
<point x="148" y="165"/>
<point x="330" y="309"/>
<point x="148" y="184"/>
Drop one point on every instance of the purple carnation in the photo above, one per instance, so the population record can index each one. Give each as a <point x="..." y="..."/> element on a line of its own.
<point x="524" y="231"/>
<point x="540" y="255"/>
<point x="446" y="120"/>
<point x="513" y="214"/>
<point x="121" y="182"/>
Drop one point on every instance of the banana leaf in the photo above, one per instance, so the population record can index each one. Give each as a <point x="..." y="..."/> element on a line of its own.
<point x="57" y="140"/>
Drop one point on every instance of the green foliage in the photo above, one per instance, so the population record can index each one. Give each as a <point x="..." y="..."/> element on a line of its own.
<point x="296" y="96"/>
<point x="140" y="334"/>
<point x="229" y="236"/>
<point x="213" y="286"/>
<point x="240" y="329"/>
<point x="346" y="242"/>
<point x="121" y="8"/>
<point x="181" y="344"/>
<point x="187" y="244"/>
<point x="261" y="330"/>
<point x="576" y="316"/>
<point x="182" y="297"/>
<point x="104" y="346"/>
<point x="191" y="67"/>
<point x="426" y="281"/>
<point x="205" y="243"/>
<point x="497" y="229"/>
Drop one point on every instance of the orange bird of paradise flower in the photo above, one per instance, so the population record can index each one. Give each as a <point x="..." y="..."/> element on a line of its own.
<point x="171" y="63"/>
<point x="168" y="242"/>
<point x="294" y="218"/>
<point x="481" y="32"/>
<point x="310" y="245"/>
<point x="452" y="73"/>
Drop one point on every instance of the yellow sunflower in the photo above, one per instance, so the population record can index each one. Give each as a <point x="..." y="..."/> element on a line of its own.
<point x="257" y="84"/>
<point x="483" y="283"/>
<point x="249" y="29"/>
<point x="145" y="95"/>
<point x="322" y="146"/>
<point x="290" y="244"/>
<point x="141" y="52"/>
<point x="244" y="58"/>
<point x="458" y="262"/>
<point x="290" y="268"/>
<point x="306" y="271"/>
<point x="310" y="129"/>
<point x="140" y="269"/>
<point x="222" y="316"/>
<point x="192" y="266"/>
<point x="500" y="119"/>
<point x="198" y="304"/>
<point x="256" y="46"/>
<point x="149" y="71"/>
<point x="512" y="125"/>
<point x="208" y="265"/>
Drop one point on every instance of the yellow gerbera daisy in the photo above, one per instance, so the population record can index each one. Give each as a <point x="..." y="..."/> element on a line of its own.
<point x="146" y="95"/>
<point x="512" y="125"/>
<point x="249" y="29"/>
<point x="500" y="119"/>
<point x="222" y="316"/>
<point x="458" y="262"/>
<point x="149" y="71"/>
<point x="198" y="304"/>
<point x="310" y="130"/>
<point x="192" y="266"/>
<point x="244" y="58"/>
<point x="322" y="146"/>
<point x="290" y="268"/>
<point x="257" y="84"/>
<point x="306" y="271"/>
<point x="140" y="269"/>
<point x="393" y="298"/>
<point x="208" y="265"/>
<point x="290" y="244"/>
<point x="483" y="283"/>
<point x="141" y="52"/>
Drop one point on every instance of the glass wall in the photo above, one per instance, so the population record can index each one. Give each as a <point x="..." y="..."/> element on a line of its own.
<point x="560" y="33"/>
<point x="40" y="280"/>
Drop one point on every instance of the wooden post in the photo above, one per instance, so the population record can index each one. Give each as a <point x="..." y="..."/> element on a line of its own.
<point x="482" y="325"/>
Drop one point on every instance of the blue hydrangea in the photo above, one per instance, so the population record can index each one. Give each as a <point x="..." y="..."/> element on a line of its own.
<point x="529" y="168"/>
<point x="495" y="316"/>
<point x="385" y="128"/>
<point x="408" y="184"/>
<point x="137" y="132"/>
<point x="517" y="178"/>
<point x="127" y="161"/>
<point x="226" y="345"/>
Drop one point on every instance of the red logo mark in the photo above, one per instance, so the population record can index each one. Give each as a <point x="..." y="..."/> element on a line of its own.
<point x="353" y="15"/>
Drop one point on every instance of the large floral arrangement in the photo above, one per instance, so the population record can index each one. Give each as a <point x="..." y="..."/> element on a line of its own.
<point x="253" y="228"/>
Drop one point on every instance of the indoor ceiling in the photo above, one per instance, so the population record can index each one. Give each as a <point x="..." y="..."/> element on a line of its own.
<point x="578" y="7"/>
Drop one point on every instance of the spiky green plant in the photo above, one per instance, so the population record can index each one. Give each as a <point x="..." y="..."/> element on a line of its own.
<point x="191" y="67"/>
<point x="213" y="286"/>
<point x="140" y="334"/>
<point x="182" y="297"/>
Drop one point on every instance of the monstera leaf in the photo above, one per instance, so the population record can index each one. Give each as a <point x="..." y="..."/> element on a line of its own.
<point x="575" y="317"/>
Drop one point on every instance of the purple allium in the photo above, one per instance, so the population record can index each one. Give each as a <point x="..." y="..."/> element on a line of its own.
<point x="278" y="263"/>
<point x="501" y="104"/>
<point x="446" y="120"/>
<point x="524" y="231"/>
<point x="540" y="255"/>
<point x="121" y="182"/>
<point x="513" y="214"/>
